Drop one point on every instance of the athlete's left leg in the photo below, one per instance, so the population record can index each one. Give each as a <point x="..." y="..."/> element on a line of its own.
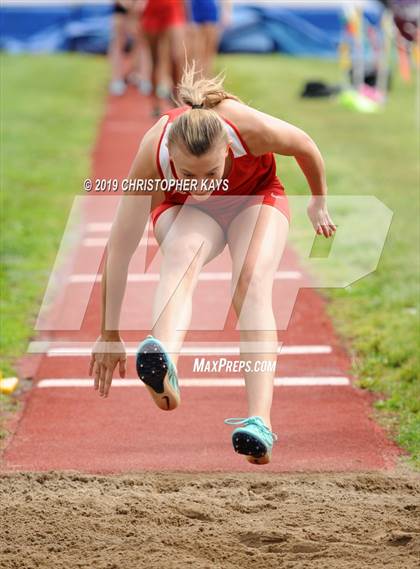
<point x="141" y="65"/>
<point x="116" y="53"/>
<point x="257" y="238"/>
<point x="153" y="39"/>
<point x="210" y="40"/>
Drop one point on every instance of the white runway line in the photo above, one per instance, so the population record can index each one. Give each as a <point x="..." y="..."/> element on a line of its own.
<point x="103" y="226"/>
<point x="200" y="382"/>
<point x="102" y="241"/>
<point x="193" y="350"/>
<point x="98" y="226"/>
<point x="155" y="277"/>
<point x="234" y="350"/>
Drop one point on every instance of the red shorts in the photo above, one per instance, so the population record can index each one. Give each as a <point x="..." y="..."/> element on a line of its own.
<point x="160" y="15"/>
<point x="225" y="208"/>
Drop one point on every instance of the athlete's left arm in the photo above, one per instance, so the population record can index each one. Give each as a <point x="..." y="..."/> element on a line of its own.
<point x="265" y="133"/>
<point x="270" y="134"/>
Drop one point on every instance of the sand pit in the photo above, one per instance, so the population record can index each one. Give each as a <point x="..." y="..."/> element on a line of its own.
<point x="176" y="521"/>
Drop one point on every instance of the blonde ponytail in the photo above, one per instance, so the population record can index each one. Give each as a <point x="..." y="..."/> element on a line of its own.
<point x="197" y="91"/>
<point x="199" y="128"/>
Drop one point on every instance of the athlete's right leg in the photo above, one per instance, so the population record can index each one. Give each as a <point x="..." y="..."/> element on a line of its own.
<point x="153" y="40"/>
<point x="177" y="45"/>
<point x="116" y="50"/>
<point x="188" y="239"/>
<point x="196" y="47"/>
<point x="140" y="65"/>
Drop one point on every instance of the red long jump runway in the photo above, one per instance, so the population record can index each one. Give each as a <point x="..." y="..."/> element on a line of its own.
<point x="323" y="422"/>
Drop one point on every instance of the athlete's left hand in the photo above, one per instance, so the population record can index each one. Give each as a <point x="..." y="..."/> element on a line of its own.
<point x="319" y="216"/>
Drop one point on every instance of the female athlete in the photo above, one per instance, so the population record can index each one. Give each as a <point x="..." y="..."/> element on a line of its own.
<point x="211" y="138"/>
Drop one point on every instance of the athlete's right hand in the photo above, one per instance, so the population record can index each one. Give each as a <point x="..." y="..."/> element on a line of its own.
<point x="106" y="355"/>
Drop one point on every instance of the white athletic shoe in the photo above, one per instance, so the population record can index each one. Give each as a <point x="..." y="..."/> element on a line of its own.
<point x="163" y="91"/>
<point x="145" y="87"/>
<point x="117" y="87"/>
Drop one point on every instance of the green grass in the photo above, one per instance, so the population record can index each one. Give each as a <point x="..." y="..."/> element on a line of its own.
<point x="50" y="109"/>
<point x="366" y="155"/>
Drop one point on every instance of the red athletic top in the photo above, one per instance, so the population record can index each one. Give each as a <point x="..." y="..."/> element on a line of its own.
<point x="249" y="174"/>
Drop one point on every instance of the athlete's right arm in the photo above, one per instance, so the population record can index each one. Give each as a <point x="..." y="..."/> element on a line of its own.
<point x="126" y="231"/>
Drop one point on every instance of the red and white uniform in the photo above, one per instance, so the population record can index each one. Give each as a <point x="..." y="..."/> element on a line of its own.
<point x="253" y="177"/>
<point x="160" y="15"/>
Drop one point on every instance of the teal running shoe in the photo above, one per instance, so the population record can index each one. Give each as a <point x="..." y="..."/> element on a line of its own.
<point x="253" y="439"/>
<point x="159" y="374"/>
